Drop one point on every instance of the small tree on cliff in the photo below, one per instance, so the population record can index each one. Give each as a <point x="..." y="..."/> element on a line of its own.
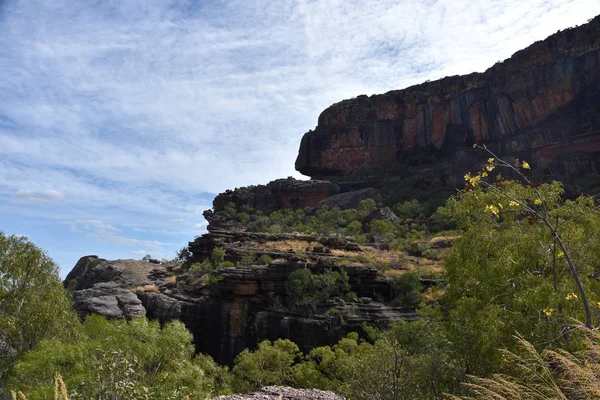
<point x="526" y="262"/>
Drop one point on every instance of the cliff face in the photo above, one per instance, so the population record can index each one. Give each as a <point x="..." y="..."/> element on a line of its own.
<point x="542" y="104"/>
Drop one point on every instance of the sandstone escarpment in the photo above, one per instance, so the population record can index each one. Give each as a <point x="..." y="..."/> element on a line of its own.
<point x="542" y="104"/>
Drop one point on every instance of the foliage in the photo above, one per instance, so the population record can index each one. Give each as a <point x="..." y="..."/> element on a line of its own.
<point x="33" y="303"/>
<point x="248" y="259"/>
<point x="409" y="209"/>
<point x="265" y="259"/>
<point x="215" y="262"/>
<point x="412" y="360"/>
<point x="121" y="360"/>
<point x="508" y="274"/>
<point x="306" y="288"/>
<point x="406" y="290"/>
<point x="270" y="364"/>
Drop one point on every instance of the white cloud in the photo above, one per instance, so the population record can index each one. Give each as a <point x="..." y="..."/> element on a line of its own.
<point x="110" y="234"/>
<point x="38" y="195"/>
<point x="201" y="226"/>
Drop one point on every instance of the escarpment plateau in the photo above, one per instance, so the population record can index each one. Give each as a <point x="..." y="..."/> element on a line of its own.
<point x="542" y="104"/>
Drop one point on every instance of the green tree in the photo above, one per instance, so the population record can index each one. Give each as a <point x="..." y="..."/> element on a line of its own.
<point x="270" y="364"/>
<point x="33" y="302"/>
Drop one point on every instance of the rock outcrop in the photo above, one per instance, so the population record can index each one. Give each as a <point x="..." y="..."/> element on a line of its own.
<point x="542" y="105"/>
<point x="277" y="194"/>
<point x="284" y="393"/>
<point x="235" y="308"/>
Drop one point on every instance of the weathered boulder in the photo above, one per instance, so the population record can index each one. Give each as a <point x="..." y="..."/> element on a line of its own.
<point x="108" y="299"/>
<point x="384" y="214"/>
<point x="542" y="105"/>
<point x="90" y="270"/>
<point x="348" y="200"/>
<point x="284" y="393"/>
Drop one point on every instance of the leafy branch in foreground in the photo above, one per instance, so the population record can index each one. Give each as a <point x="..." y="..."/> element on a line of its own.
<point x="539" y="210"/>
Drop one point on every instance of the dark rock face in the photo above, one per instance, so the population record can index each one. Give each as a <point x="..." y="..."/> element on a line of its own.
<point x="542" y="105"/>
<point x="278" y="194"/>
<point x="284" y="393"/>
<point x="348" y="200"/>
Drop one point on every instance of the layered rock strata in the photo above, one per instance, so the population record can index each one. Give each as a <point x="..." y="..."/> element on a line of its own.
<point x="237" y="307"/>
<point x="277" y="194"/>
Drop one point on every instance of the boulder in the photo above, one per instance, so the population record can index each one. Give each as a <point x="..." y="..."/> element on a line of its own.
<point x="108" y="299"/>
<point x="348" y="200"/>
<point x="284" y="393"/>
<point x="385" y="214"/>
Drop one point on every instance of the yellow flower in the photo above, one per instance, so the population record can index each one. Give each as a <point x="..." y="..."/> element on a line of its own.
<point x="493" y="209"/>
<point x="548" y="311"/>
<point x="537" y="202"/>
<point x="491" y="160"/>
<point x="525" y="165"/>
<point x="560" y="254"/>
<point x="571" y="296"/>
<point x="513" y="203"/>
<point x="484" y="174"/>
<point x="468" y="177"/>
<point x="490" y="168"/>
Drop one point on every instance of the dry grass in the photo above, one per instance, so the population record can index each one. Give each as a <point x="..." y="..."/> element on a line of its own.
<point x="172" y="279"/>
<point x="146" y="289"/>
<point x="433" y="295"/>
<point x="549" y="375"/>
<point x="284" y="245"/>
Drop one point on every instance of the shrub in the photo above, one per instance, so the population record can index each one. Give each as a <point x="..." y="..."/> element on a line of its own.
<point x="306" y="288"/>
<point x="217" y="256"/>
<point x="265" y="259"/>
<point x="227" y="264"/>
<point x="406" y="290"/>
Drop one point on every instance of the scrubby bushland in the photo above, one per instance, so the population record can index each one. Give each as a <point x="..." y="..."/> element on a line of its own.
<point x="121" y="360"/>
<point x="410" y="361"/>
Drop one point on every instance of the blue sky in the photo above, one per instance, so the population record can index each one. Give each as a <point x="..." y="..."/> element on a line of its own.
<point x="120" y="119"/>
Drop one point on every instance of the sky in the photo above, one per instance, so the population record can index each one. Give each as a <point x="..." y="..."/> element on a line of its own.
<point x="121" y="119"/>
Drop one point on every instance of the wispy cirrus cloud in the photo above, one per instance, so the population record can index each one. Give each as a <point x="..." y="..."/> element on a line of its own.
<point x="136" y="113"/>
